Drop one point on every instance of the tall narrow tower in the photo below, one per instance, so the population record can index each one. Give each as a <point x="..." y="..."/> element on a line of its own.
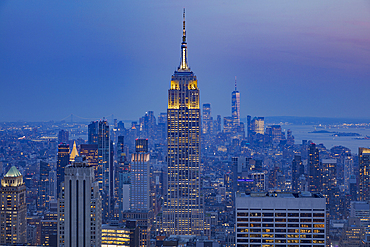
<point x="235" y="106"/>
<point x="183" y="205"/>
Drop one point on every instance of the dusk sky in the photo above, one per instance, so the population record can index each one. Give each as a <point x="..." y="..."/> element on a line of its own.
<point x="98" y="58"/>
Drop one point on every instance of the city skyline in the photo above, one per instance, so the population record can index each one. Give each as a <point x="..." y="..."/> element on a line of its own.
<point x="287" y="54"/>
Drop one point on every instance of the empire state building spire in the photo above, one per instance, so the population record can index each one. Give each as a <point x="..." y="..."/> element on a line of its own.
<point x="184" y="48"/>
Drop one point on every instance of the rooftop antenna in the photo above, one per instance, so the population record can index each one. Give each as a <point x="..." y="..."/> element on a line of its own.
<point x="235" y="83"/>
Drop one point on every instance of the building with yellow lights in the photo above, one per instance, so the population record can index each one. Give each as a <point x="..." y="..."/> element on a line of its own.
<point x="113" y="236"/>
<point x="183" y="206"/>
<point x="364" y="180"/>
<point x="13" y="211"/>
<point x="280" y="219"/>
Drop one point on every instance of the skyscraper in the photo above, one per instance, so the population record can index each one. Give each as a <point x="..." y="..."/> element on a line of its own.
<point x="63" y="159"/>
<point x="63" y="136"/>
<point x="183" y="206"/>
<point x="139" y="198"/>
<point x="235" y="106"/>
<point x="207" y="120"/>
<point x="98" y="133"/>
<point x="297" y="171"/>
<point x="13" y="209"/>
<point x="79" y="210"/>
<point x="364" y="178"/>
<point x="314" y="169"/>
<point x="44" y="186"/>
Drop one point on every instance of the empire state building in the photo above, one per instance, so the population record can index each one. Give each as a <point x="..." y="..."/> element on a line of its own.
<point x="183" y="205"/>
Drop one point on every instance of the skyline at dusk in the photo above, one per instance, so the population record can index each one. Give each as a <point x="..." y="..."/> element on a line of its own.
<point x="95" y="59"/>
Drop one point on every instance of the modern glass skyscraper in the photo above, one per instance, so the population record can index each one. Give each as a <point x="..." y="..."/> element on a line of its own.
<point x="235" y="106"/>
<point x="183" y="205"/>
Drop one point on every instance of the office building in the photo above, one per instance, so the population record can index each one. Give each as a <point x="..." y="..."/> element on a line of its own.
<point x="79" y="208"/>
<point x="235" y="106"/>
<point x="364" y="176"/>
<point x="258" y="125"/>
<point x="183" y="205"/>
<point x="114" y="236"/>
<point x="352" y="234"/>
<point x="13" y="224"/>
<point x="63" y="160"/>
<point x="217" y="125"/>
<point x="207" y="125"/>
<point x="63" y="136"/>
<point x="44" y="186"/>
<point x="139" y="198"/>
<point x="330" y="187"/>
<point x="121" y="152"/>
<point x="314" y="169"/>
<point x="297" y="171"/>
<point x="280" y="219"/>
<point x="49" y="225"/>
<point x="98" y="133"/>
<point x="90" y="151"/>
<point x="228" y="124"/>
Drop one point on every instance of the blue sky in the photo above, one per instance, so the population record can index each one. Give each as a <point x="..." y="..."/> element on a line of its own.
<point x="98" y="58"/>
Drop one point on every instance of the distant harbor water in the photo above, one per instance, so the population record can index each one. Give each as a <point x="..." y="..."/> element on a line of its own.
<point x="302" y="132"/>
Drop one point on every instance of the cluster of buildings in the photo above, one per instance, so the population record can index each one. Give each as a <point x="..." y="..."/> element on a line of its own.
<point x="179" y="180"/>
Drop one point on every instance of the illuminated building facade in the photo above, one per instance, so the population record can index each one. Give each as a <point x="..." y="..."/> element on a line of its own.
<point x="114" y="236"/>
<point x="364" y="178"/>
<point x="258" y="125"/>
<point x="79" y="208"/>
<point x="99" y="134"/>
<point x="13" y="224"/>
<point x="183" y="205"/>
<point x="330" y="187"/>
<point x="280" y="219"/>
<point x="63" y="160"/>
<point x="139" y="195"/>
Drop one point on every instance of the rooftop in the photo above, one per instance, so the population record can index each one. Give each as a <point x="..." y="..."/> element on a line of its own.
<point x="13" y="172"/>
<point x="280" y="194"/>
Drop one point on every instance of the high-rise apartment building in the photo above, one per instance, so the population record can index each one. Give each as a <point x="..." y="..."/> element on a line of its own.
<point x="235" y="106"/>
<point x="364" y="178"/>
<point x="13" y="210"/>
<point x="183" y="205"/>
<point x="63" y="160"/>
<point x="314" y="169"/>
<point x="79" y="208"/>
<point x="280" y="219"/>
